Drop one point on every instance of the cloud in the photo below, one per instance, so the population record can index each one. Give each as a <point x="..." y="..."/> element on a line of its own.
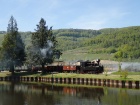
<point x="86" y="14"/>
<point x="87" y="23"/>
<point x="98" y="19"/>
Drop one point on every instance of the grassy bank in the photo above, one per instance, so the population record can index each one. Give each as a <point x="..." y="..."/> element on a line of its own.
<point x="116" y="76"/>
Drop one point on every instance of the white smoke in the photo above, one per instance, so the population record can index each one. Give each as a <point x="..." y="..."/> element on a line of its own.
<point x="43" y="52"/>
<point x="130" y="66"/>
<point x="114" y="66"/>
<point x="49" y="43"/>
<point x="46" y="52"/>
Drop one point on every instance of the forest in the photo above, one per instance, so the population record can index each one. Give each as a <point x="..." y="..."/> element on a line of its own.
<point x="123" y="43"/>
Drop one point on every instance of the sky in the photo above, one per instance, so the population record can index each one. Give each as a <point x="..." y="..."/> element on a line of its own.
<point x="66" y="14"/>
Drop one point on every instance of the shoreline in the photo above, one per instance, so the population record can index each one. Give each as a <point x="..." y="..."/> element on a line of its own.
<point x="131" y="84"/>
<point x="132" y="81"/>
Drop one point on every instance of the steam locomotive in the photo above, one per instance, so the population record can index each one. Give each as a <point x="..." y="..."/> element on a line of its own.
<point x="93" y="67"/>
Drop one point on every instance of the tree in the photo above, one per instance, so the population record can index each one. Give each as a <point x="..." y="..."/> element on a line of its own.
<point x="12" y="46"/>
<point x="43" y="49"/>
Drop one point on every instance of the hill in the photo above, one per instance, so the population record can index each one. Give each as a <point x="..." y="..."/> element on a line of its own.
<point x="109" y="43"/>
<point x="123" y="42"/>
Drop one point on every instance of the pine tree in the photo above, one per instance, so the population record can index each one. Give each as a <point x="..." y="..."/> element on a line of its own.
<point x="43" y="48"/>
<point x="12" y="46"/>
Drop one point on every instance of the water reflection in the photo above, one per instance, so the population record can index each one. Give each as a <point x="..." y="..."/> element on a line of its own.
<point x="42" y="94"/>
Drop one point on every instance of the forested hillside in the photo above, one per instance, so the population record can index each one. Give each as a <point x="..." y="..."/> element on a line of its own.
<point x="73" y="38"/>
<point x="122" y="43"/>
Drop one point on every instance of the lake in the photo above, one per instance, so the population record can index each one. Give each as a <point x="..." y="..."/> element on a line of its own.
<point x="49" y="94"/>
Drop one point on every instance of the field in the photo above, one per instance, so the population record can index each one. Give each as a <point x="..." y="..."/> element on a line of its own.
<point x="82" y="54"/>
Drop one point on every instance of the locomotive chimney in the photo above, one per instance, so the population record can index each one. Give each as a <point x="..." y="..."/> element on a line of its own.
<point x="98" y="61"/>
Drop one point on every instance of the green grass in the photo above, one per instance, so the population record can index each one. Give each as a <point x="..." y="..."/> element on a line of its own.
<point x="129" y="73"/>
<point x="130" y="76"/>
<point x="73" y="56"/>
<point x="4" y="74"/>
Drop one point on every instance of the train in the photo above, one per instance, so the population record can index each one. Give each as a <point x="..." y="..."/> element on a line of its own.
<point x="92" y="67"/>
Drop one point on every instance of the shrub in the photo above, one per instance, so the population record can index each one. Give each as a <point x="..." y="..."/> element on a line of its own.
<point x="124" y="74"/>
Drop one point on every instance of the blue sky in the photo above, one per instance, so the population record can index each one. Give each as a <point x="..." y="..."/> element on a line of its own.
<point x="78" y="14"/>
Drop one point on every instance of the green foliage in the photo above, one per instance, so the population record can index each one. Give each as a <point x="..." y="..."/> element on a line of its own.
<point x="124" y="40"/>
<point x="111" y="50"/>
<point x="73" y="38"/>
<point x="124" y="43"/>
<point x="1" y="53"/>
<point x="125" y="51"/>
<point x="43" y="46"/>
<point x="106" y="71"/>
<point x="118" y="55"/>
<point x="76" y="33"/>
<point x="124" y="74"/>
<point x="12" y="46"/>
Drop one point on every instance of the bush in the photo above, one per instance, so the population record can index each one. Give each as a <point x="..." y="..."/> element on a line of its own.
<point x="111" y="50"/>
<point x="124" y="74"/>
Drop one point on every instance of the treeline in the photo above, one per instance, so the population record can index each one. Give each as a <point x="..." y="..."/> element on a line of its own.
<point x="76" y="33"/>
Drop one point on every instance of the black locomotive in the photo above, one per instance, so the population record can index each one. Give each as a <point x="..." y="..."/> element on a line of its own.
<point x="91" y="67"/>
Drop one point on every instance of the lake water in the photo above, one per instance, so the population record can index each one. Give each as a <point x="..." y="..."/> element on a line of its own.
<point x="48" y="94"/>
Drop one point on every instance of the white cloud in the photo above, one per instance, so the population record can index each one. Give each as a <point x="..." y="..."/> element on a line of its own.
<point x="86" y="14"/>
<point x="98" y="19"/>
